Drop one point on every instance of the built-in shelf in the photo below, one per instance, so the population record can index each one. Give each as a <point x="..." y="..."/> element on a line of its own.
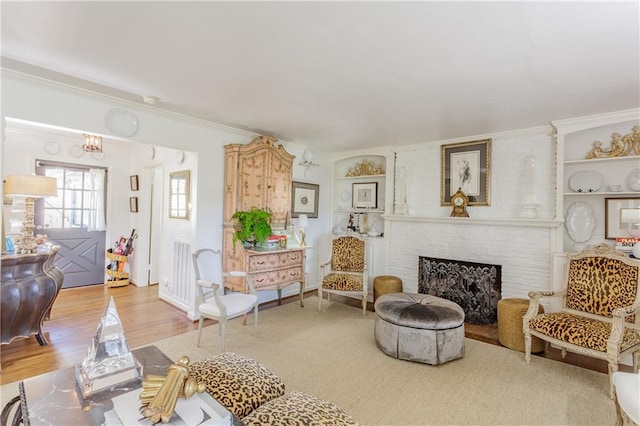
<point x="367" y="177"/>
<point x="358" y="211"/>
<point x="602" y="160"/>
<point x="503" y="222"/>
<point x="588" y="194"/>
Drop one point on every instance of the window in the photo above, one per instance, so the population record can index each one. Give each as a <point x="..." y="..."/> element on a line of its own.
<point x="179" y="195"/>
<point x="71" y="208"/>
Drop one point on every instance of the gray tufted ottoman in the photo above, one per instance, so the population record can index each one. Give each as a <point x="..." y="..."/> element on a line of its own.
<point x="419" y="327"/>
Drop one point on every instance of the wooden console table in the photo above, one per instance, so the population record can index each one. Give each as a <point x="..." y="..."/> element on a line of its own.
<point x="30" y="284"/>
<point x="273" y="269"/>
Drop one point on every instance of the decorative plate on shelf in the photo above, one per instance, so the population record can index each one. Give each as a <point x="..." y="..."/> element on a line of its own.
<point x="580" y="222"/>
<point x="634" y="180"/>
<point x="75" y="151"/>
<point x="345" y="195"/>
<point x="585" y="181"/>
<point x="121" y="122"/>
<point x="52" y="148"/>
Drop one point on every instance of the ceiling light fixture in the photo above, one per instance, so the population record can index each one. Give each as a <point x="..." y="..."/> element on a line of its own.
<point x="92" y="143"/>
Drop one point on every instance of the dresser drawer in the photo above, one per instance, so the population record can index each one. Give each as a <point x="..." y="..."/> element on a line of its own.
<point x="280" y="277"/>
<point x="267" y="262"/>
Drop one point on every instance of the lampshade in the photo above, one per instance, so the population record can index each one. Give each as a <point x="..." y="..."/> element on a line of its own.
<point x="303" y="221"/>
<point x="30" y="186"/>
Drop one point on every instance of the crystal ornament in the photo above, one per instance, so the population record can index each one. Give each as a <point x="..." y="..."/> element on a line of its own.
<point x="109" y="361"/>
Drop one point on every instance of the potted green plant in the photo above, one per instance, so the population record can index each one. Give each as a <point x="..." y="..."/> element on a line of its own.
<point x="253" y="226"/>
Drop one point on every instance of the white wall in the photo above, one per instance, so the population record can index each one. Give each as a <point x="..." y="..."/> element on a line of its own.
<point x="493" y="234"/>
<point x="42" y="102"/>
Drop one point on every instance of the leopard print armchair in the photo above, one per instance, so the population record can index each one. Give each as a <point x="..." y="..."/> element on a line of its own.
<point x="600" y="315"/>
<point x="346" y="272"/>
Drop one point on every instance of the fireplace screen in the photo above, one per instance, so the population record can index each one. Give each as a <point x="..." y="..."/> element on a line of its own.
<point x="476" y="287"/>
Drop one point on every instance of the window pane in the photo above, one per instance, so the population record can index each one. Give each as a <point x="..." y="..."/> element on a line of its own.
<point x="74" y="179"/>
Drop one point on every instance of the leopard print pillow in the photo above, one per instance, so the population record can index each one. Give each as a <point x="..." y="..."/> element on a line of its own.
<point x="240" y="384"/>
<point x="298" y="408"/>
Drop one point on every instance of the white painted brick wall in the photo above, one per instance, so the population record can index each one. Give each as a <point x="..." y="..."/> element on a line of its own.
<point x="524" y="252"/>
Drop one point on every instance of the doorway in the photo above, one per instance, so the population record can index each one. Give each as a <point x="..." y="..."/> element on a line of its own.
<point x="65" y="220"/>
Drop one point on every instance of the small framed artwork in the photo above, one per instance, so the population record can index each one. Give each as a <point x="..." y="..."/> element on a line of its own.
<point x="620" y="216"/>
<point x="304" y="199"/>
<point x="466" y="166"/>
<point x="133" y="204"/>
<point x="365" y="195"/>
<point x="133" y="181"/>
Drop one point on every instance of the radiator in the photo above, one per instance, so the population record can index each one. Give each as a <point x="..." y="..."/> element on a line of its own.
<point x="181" y="288"/>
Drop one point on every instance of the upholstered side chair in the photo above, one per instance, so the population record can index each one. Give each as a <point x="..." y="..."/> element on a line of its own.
<point x="212" y="301"/>
<point x="600" y="314"/>
<point x="346" y="272"/>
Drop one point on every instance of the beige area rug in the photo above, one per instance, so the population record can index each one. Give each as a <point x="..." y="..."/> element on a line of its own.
<point x="332" y="355"/>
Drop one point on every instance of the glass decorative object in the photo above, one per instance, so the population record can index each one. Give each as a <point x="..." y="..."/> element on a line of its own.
<point x="108" y="362"/>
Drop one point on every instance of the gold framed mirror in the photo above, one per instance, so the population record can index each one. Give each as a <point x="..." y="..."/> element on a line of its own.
<point x="179" y="194"/>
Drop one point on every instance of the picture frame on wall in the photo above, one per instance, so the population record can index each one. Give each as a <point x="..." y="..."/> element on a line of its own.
<point x="466" y="166"/>
<point x="304" y="199"/>
<point x="133" y="204"/>
<point x="133" y="181"/>
<point x="620" y="216"/>
<point x="365" y="195"/>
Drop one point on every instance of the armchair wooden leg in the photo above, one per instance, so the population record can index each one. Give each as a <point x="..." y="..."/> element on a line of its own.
<point x="636" y="361"/>
<point x="612" y="369"/>
<point x="364" y="305"/>
<point x="563" y="352"/>
<point x="200" y="328"/>
<point x="255" y="321"/>
<point x="527" y="347"/>
<point x="223" y="331"/>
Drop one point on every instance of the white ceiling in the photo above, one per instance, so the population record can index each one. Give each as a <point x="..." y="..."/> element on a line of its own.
<point x="342" y="75"/>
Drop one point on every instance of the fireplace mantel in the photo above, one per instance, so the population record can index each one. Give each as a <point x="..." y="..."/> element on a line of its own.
<point x="503" y="222"/>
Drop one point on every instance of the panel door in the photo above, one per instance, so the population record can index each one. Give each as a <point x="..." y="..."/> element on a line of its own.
<point x="252" y="174"/>
<point x="279" y="188"/>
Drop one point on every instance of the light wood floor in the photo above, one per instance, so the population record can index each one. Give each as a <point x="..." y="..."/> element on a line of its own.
<point x="146" y="319"/>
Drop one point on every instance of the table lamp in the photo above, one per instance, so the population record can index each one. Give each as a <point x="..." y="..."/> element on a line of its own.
<point x="303" y="223"/>
<point x="29" y="187"/>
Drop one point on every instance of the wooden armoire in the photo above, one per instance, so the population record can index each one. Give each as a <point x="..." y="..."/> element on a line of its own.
<point x="257" y="174"/>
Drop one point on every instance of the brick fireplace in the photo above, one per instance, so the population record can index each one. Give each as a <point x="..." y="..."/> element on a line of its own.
<point x="476" y="287"/>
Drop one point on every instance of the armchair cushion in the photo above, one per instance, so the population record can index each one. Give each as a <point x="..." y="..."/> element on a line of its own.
<point x="298" y="408"/>
<point x="342" y="282"/>
<point x="581" y="331"/>
<point x="240" y="384"/>
<point x="598" y="285"/>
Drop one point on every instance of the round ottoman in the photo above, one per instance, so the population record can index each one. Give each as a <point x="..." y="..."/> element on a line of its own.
<point x="510" y="313"/>
<point x="385" y="284"/>
<point x="419" y="327"/>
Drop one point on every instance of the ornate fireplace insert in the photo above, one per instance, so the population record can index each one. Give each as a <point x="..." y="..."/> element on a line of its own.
<point x="476" y="287"/>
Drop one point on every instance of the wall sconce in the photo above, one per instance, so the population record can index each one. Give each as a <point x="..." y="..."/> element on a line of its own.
<point x="92" y="143"/>
<point x="303" y="224"/>
<point x="307" y="161"/>
<point x="29" y="187"/>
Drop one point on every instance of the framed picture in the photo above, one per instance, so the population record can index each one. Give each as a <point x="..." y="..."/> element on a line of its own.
<point x="620" y="215"/>
<point x="365" y="195"/>
<point x="133" y="204"/>
<point x="466" y="166"/>
<point x="133" y="181"/>
<point x="304" y="199"/>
